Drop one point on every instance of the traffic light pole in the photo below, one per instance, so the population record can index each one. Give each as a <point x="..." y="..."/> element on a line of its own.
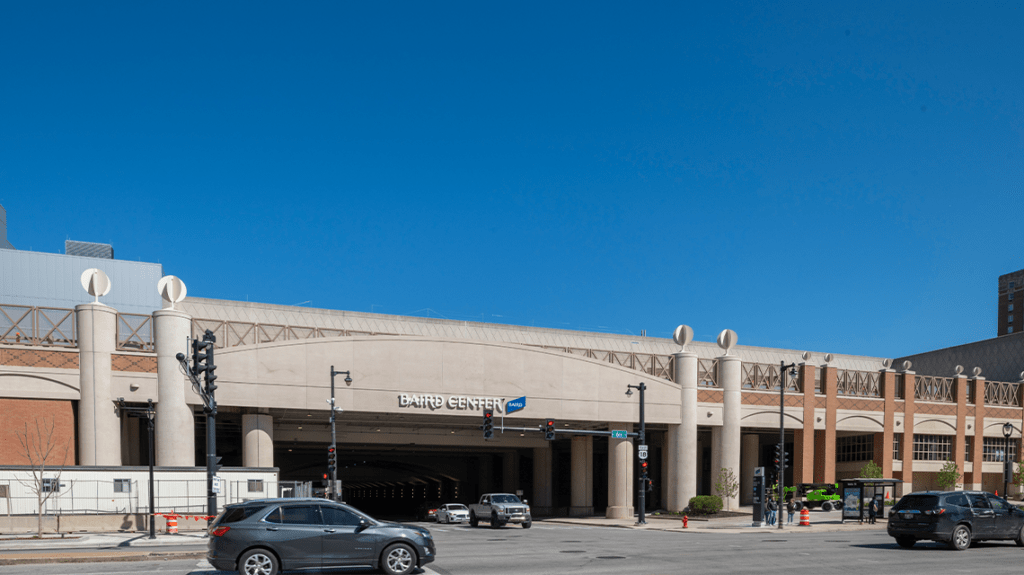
<point x="202" y="364"/>
<point x="783" y="368"/>
<point x="641" y="498"/>
<point x="334" y="439"/>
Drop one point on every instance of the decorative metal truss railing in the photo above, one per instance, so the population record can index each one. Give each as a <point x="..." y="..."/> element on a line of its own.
<point x="707" y="373"/>
<point x="934" y="388"/>
<point x="662" y="366"/>
<point x="236" y="333"/>
<point x="857" y="383"/>
<point x="46" y="326"/>
<point x="135" y="332"/>
<point x="1001" y="393"/>
<point x="765" y="377"/>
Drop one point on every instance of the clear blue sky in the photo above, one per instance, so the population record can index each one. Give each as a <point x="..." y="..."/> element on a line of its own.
<point x="831" y="179"/>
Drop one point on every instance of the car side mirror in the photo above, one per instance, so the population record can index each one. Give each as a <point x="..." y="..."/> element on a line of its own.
<point x="526" y="501"/>
<point x="363" y="524"/>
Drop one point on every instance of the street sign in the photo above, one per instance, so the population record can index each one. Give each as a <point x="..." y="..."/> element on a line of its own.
<point x="642" y="454"/>
<point x="642" y="447"/>
<point x="618" y="434"/>
<point x="216" y="484"/>
<point x="515" y="405"/>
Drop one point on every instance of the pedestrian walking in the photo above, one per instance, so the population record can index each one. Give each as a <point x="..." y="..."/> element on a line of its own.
<point x="872" y="511"/>
<point x="790" y="509"/>
<point x="772" y="509"/>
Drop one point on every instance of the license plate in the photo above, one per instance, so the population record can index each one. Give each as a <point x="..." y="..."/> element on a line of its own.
<point x="908" y="515"/>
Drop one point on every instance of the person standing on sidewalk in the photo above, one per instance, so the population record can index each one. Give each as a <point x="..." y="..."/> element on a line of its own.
<point x="790" y="509"/>
<point x="772" y="508"/>
<point x="872" y="511"/>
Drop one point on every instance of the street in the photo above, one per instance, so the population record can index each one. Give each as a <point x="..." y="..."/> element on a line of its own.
<point x="567" y="549"/>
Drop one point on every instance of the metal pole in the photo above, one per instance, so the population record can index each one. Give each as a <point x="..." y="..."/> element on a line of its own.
<point x="642" y="498"/>
<point x="782" y="440"/>
<point x="1006" y="462"/>
<point x="211" y="461"/>
<point x="152" y="496"/>
<point x="334" y="443"/>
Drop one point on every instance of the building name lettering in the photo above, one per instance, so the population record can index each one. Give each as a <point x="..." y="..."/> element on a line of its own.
<point x="456" y="402"/>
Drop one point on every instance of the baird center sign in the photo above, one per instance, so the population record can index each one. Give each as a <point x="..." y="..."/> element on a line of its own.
<point x="452" y="402"/>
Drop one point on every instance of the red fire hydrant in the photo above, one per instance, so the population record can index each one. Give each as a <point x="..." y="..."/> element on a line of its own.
<point x="686" y="521"/>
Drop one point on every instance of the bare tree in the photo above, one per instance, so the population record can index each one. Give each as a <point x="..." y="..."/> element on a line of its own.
<point x="41" y="448"/>
<point x="726" y="486"/>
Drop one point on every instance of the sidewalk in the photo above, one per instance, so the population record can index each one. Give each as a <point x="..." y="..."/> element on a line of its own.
<point x="99" y="547"/>
<point x="821" y="522"/>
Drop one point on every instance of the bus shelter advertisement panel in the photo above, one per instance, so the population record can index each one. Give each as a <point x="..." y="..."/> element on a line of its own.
<point x="851" y="503"/>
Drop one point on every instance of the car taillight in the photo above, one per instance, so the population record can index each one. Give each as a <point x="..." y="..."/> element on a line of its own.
<point x="934" y="511"/>
<point x="220" y="531"/>
<point x="433" y="510"/>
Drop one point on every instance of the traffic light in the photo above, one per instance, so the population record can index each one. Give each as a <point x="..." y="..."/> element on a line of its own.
<point x="209" y="339"/>
<point x="649" y="485"/>
<point x="488" y="424"/>
<point x="549" y="430"/>
<point x="332" y="460"/>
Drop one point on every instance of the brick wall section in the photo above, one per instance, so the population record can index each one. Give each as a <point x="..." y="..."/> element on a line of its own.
<point x="978" y="443"/>
<point x="959" y="442"/>
<point x="883" y="455"/>
<point x="907" y="445"/>
<point x="31" y="357"/>
<point x="803" y="439"/>
<point x="825" y="441"/>
<point x="16" y="413"/>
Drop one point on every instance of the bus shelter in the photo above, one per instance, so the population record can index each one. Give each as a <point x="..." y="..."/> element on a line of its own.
<point x="857" y="495"/>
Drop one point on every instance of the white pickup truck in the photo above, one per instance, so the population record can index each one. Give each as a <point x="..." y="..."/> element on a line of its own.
<point x="499" y="509"/>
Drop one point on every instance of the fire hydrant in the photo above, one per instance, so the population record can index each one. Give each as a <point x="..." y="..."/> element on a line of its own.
<point x="686" y="521"/>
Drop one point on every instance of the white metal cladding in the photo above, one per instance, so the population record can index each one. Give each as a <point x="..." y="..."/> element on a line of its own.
<point x="348" y="321"/>
<point x="92" y="490"/>
<point x="53" y="280"/>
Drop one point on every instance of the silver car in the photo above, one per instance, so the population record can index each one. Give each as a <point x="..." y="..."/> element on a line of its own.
<point x="452" y="513"/>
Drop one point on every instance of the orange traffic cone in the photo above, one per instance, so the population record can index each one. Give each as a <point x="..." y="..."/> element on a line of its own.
<point x="997" y="493"/>
<point x="805" y="517"/>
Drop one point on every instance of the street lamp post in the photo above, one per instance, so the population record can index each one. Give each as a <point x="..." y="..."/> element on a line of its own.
<point x="1007" y="461"/>
<point x="641" y="497"/>
<point x="783" y="369"/>
<point x="149" y="414"/>
<point x="334" y="441"/>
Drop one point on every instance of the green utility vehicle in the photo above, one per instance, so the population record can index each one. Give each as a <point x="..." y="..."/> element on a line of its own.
<point x="811" y="495"/>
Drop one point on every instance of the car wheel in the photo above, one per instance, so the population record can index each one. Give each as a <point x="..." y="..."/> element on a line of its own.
<point x="473" y="521"/>
<point x="494" y="521"/>
<point x="961" y="538"/>
<point x="527" y="524"/>
<point x="398" y="559"/>
<point x="258" y="562"/>
<point x="826" y="506"/>
<point x="906" y="542"/>
<point x="1020" y="537"/>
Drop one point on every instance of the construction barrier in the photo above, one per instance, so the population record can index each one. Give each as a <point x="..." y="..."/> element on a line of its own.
<point x="172" y="523"/>
<point x="805" y="517"/>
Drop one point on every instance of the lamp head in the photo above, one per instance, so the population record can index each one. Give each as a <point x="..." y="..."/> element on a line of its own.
<point x="629" y="391"/>
<point x="348" y="379"/>
<point x="1007" y="430"/>
<point x="180" y="357"/>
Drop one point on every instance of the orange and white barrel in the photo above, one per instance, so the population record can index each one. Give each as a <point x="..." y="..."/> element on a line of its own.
<point x="805" y="517"/>
<point x="172" y="523"/>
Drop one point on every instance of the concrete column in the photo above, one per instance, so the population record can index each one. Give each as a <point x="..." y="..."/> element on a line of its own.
<point x="541" y="502"/>
<point x="672" y="468"/>
<point x="175" y="426"/>
<point x="960" y="440"/>
<point x="829" y="381"/>
<point x="582" y="500"/>
<point x="884" y="455"/>
<point x="685" y="464"/>
<point x="257" y="440"/>
<point x="978" y="441"/>
<point x="620" y="475"/>
<point x="750" y="451"/>
<point x="729" y="378"/>
<point x="99" y="426"/>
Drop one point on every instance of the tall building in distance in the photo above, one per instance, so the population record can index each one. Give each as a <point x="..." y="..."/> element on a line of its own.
<point x="1011" y="292"/>
<point x="4" y="244"/>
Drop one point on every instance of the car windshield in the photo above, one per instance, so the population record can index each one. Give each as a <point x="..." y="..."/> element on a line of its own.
<point x="917" y="503"/>
<point x="456" y="507"/>
<point x="505" y="499"/>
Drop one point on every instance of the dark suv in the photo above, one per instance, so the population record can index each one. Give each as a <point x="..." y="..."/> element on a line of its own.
<point x="955" y="518"/>
<point x="267" y="536"/>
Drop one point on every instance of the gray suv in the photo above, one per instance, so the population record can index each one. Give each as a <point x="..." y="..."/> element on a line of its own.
<point x="267" y="536"/>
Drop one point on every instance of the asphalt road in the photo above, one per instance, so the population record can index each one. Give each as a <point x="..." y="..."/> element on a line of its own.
<point x="564" y="549"/>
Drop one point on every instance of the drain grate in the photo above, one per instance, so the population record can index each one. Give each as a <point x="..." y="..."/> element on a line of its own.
<point x="573" y="551"/>
<point x="774" y="540"/>
<point x="610" y="557"/>
<point x="837" y="541"/>
<point x="497" y="539"/>
<point x="572" y="542"/>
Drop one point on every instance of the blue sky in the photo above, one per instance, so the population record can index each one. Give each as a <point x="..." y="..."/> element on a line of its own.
<point x="842" y="180"/>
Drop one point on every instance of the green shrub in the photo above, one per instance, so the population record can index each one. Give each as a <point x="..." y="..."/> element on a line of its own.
<point x="705" y="504"/>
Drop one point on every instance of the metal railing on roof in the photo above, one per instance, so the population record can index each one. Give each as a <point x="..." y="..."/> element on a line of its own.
<point x="765" y="377"/>
<point x="44" y="326"/>
<point x="855" y="383"/>
<point x="1002" y="393"/>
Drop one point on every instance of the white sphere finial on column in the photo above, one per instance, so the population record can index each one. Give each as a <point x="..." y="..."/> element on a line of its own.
<point x="171" y="289"/>
<point x="727" y="340"/>
<point x="96" y="283"/>
<point x="683" y="335"/>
